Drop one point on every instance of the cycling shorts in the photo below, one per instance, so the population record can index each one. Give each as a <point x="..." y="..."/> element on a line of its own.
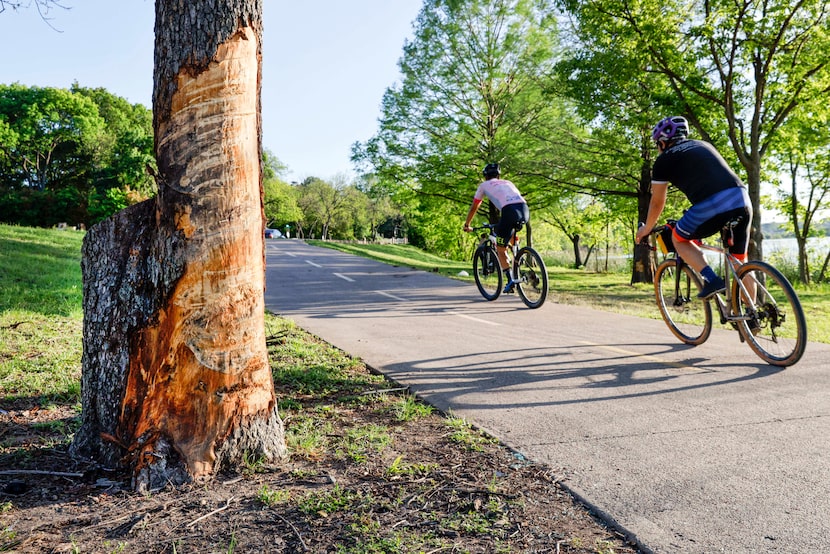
<point x="708" y="217"/>
<point x="513" y="217"/>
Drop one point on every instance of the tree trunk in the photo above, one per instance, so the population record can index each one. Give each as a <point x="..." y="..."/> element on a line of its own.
<point x="176" y="380"/>
<point x="577" y="253"/>
<point x="642" y="270"/>
<point x="756" y="235"/>
<point x="803" y="260"/>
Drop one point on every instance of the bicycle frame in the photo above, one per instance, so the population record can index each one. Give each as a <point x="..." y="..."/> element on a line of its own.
<point x="725" y="304"/>
<point x="511" y="251"/>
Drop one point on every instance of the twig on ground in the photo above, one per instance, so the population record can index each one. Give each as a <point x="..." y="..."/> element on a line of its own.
<point x="383" y="391"/>
<point x="214" y="512"/>
<point x="296" y="531"/>
<point x="39" y="472"/>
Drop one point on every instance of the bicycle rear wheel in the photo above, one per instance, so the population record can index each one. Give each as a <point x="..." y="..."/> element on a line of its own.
<point x="688" y="318"/>
<point x="533" y="277"/>
<point x="487" y="272"/>
<point x="776" y="329"/>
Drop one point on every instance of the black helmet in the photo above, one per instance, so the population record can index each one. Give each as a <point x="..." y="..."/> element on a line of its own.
<point x="491" y="170"/>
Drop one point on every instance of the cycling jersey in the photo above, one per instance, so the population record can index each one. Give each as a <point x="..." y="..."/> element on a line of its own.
<point x="715" y="191"/>
<point x="500" y="192"/>
<point x="695" y="168"/>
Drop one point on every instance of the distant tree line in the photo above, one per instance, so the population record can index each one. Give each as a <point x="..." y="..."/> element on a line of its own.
<point x="78" y="156"/>
<point x="71" y="156"/>
<point x="333" y="209"/>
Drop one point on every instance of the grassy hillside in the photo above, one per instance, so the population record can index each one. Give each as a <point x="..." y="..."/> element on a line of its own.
<point x="40" y="313"/>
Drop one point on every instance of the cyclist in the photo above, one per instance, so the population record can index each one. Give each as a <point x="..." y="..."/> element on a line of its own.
<point x="514" y="213"/>
<point x="716" y="193"/>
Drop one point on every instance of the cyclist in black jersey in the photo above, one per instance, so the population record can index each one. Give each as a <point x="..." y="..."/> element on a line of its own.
<point x="716" y="193"/>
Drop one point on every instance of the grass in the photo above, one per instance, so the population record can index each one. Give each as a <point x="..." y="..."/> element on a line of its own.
<point x="41" y="318"/>
<point x="610" y="291"/>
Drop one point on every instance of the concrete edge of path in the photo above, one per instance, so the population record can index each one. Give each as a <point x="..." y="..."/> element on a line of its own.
<point x="574" y="491"/>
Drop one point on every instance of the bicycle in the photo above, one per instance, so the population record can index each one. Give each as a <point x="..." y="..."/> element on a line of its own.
<point x="770" y="320"/>
<point x="527" y="268"/>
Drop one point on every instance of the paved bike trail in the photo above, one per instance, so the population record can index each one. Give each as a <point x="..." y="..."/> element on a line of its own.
<point x="690" y="449"/>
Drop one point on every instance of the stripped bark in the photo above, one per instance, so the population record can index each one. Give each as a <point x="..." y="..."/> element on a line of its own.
<point x="176" y="380"/>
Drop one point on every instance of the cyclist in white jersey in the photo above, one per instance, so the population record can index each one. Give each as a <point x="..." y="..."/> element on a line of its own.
<point x="514" y="212"/>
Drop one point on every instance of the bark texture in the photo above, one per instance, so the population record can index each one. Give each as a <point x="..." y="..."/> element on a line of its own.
<point x="176" y="379"/>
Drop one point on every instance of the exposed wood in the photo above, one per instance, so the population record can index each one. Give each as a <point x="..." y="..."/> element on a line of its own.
<point x="174" y="307"/>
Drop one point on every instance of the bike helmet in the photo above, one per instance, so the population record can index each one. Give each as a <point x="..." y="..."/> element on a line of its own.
<point x="670" y="128"/>
<point x="491" y="170"/>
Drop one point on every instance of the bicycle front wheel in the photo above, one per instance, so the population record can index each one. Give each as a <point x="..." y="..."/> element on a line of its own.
<point x="487" y="272"/>
<point x="775" y="328"/>
<point x="688" y="318"/>
<point x="533" y="277"/>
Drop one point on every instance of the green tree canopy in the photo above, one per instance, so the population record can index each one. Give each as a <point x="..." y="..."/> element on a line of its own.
<point x="737" y="71"/>
<point x="74" y="155"/>
<point x="472" y="92"/>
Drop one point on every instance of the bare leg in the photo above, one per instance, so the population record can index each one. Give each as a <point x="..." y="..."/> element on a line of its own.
<point x="691" y="254"/>
<point x="502" y="252"/>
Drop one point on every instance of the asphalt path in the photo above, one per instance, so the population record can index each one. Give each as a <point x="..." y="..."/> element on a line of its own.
<point x="689" y="449"/>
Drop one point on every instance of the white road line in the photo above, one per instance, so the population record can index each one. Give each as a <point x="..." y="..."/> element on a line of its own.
<point x="349" y="279"/>
<point x="289" y="254"/>
<point x="392" y="296"/>
<point x="312" y="263"/>
<point x="474" y="319"/>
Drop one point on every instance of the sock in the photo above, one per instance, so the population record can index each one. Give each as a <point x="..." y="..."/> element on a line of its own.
<point x="507" y="275"/>
<point x="708" y="274"/>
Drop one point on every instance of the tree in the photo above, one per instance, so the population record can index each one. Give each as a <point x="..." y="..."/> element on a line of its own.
<point x="73" y="156"/>
<point x="323" y="203"/>
<point x="281" y="207"/>
<point x="472" y="93"/>
<point x="737" y="70"/>
<point x="176" y="380"/>
<point x="804" y="190"/>
<point x="48" y="136"/>
<point x="43" y="6"/>
<point x="126" y="146"/>
<point x="581" y="220"/>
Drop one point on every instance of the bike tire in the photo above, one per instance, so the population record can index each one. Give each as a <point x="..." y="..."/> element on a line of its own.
<point x="487" y="272"/>
<point x="687" y="317"/>
<point x="532" y="276"/>
<point x="777" y="331"/>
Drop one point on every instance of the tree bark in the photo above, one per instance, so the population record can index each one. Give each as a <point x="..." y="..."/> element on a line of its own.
<point x="642" y="270"/>
<point x="176" y="380"/>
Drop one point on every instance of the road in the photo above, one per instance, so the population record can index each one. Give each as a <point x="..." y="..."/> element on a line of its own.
<point x="689" y="449"/>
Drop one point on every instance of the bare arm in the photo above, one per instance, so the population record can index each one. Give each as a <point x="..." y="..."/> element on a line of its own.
<point x="471" y="213"/>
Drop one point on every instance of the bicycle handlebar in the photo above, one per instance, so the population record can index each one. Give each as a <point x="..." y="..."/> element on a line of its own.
<point x="489" y="226"/>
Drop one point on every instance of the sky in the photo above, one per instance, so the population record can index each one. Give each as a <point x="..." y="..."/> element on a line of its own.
<point x="326" y="65"/>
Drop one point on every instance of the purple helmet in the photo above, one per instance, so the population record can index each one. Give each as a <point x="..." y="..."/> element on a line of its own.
<point x="670" y="128"/>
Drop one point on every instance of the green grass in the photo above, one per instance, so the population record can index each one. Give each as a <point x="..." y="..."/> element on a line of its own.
<point x="41" y="318"/>
<point x="609" y="291"/>
<point x="318" y="388"/>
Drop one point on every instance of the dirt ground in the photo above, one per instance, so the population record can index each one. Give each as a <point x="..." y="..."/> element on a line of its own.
<point x="430" y="487"/>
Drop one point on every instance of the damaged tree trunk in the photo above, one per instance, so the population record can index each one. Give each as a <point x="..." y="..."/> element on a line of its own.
<point x="176" y="380"/>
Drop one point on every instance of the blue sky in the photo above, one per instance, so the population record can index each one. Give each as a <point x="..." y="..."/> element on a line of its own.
<point x="326" y="64"/>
